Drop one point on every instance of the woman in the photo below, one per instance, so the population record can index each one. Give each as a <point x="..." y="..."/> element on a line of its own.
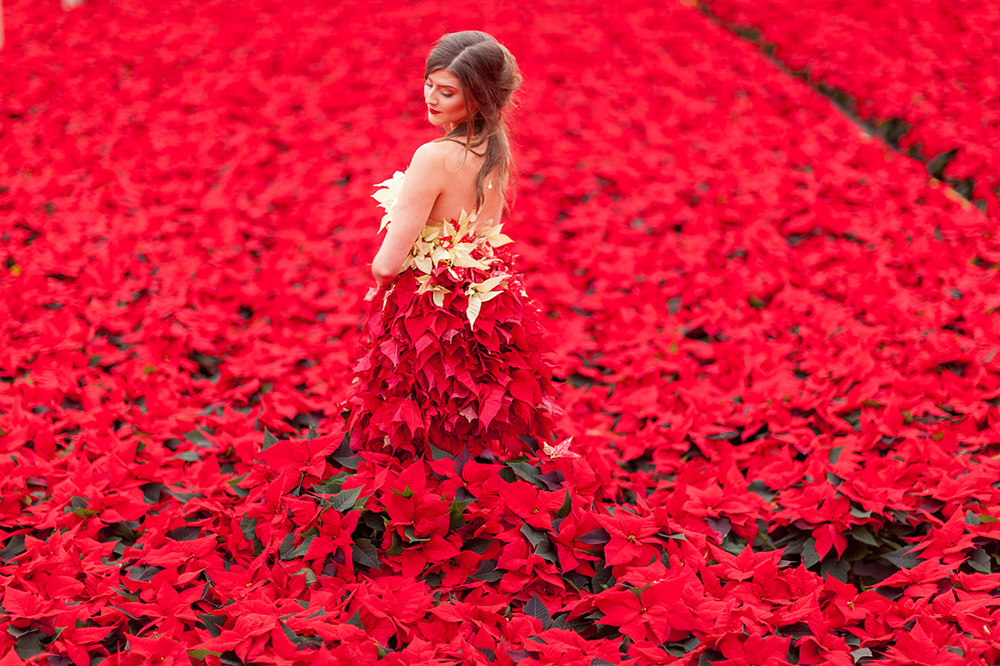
<point x="455" y="353"/>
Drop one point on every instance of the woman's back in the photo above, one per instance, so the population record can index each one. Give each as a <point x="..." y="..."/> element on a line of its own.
<point x="461" y="170"/>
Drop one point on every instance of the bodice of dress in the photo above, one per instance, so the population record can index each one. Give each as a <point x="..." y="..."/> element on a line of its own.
<point x="455" y="244"/>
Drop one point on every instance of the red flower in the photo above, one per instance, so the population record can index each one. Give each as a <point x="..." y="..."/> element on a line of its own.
<point x="631" y="537"/>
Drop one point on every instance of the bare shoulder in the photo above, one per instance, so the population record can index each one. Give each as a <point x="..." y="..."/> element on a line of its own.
<point x="431" y="158"/>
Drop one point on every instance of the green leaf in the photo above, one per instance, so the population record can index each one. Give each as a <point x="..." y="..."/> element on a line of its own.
<point x="455" y="518"/>
<point x="13" y="548"/>
<point x="197" y="438"/>
<point x="547" y="552"/>
<point x="269" y="440"/>
<point x="565" y="508"/>
<point x="862" y="534"/>
<point x="234" y="483"/>
<point x="761" y="489"/>
<point x="309" y="574"/>
<point x="28" y="645"/>
<point x="295" y="638"/>
<point x="331" y="486"/>
<point x="860" y="653"/>
<point x="303" y="548"/>
<point x="249" y="528"/>
<point x="536" y="609"/>
<point x="488" y="571"/>
<point x="356" y="621"/>
<point x="185" y="533"/>
<point x="182" y="496"/>
<point x="839" y="569"/>
<point x="527" y="472"/>
<point x="365" y="554"/>
<point x="681" y="648"/>
<point x="533" y="536"/>
<point x="286" y="546"/>
<point x="597" y="537"/>
<point x="810" y="557"/>
<point x="375" y="521"/>
<point x="411" y="535"/>
<point x="835" y="452"/>
<point x="902" y="558"/>
<point x="438" y="454"/>
<point x="602" y="579"/>
<point x="201" y="654"/>
<point x="152" y="491"/>
<point x="229" y="658"/>
<point x="396" y="548"/>
<point x="350" y="462"/>
<point x="979" y="560"/>
<point x="345" y="499"/>
<point x="478" y="545"/>
<point x="858" y="513"/>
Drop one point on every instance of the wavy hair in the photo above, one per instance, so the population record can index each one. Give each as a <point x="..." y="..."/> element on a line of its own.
<point x="489" y="75"/>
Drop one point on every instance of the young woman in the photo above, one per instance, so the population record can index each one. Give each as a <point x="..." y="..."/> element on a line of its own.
<point x="454" y="358"/>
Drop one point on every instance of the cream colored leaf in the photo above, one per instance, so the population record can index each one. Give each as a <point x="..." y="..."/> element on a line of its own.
<point x="388" y="196"/>
<point x="560" y="450"/>
<point x="472" y="310"/>
<point x="462" y="259"/>
<point x="438" y="297"/>
<point x="439" y="254"/>
<point x="488" y="285"/>
<point x="496" y="237"/>
<point x="423" y="264"/>
<point x="499" y="240"/>
<point x="425" y="284"/>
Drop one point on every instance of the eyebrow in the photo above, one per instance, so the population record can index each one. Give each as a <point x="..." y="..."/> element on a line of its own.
<point x="442" y="85"/>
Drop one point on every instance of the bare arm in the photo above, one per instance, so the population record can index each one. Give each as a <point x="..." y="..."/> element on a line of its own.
<point x="424" y="182"/>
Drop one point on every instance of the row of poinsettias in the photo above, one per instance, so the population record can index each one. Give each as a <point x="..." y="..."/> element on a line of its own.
<point x="929" y="64"/>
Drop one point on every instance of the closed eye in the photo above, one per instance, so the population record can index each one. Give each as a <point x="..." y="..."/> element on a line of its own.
<point x="427" y="84"/>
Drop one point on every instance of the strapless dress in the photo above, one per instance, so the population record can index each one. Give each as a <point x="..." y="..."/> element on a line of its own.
<point x="453" y="356"/>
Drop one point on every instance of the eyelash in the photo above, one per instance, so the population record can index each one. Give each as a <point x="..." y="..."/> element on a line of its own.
<point x="427" y="84"/>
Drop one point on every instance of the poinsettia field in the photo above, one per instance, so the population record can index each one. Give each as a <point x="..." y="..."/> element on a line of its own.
<point x="925" y="72"/>
<point x="776" y="342"/>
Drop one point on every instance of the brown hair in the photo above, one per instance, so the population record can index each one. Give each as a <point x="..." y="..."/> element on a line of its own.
<point x="488" y="75"/>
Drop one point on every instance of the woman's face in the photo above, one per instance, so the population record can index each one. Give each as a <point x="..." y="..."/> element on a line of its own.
<point x="444" y="98"/>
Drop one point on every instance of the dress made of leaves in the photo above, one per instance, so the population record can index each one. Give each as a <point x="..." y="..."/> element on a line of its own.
<point x="454" y="355"/>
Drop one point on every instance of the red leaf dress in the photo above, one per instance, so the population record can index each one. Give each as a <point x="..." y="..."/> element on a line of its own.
<point x="454" y="356"/>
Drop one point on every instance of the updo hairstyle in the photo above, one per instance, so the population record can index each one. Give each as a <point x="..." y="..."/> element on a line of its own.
<point x="488" y="75"/>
